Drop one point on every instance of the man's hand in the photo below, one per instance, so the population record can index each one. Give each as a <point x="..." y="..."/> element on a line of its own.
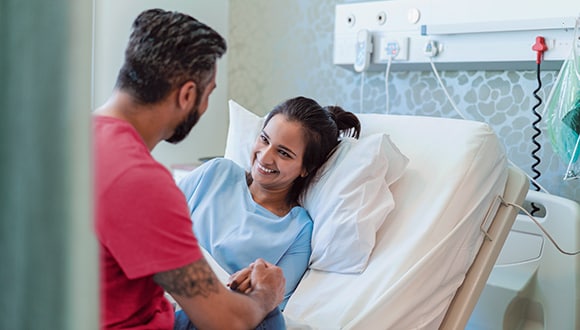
<point x="268" y="281"/>
<point x="261" y="279"/>
<point x="208" y="304"/>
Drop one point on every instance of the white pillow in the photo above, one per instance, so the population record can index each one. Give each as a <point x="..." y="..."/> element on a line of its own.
<point x="242" y="133"/>
<point x="373" y="123"/>
<point x="349" y="201"/>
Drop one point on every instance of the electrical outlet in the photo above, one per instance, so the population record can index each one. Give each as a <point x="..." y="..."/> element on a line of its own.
<point x="483" y="39"/>
<point x="395" y="48"/>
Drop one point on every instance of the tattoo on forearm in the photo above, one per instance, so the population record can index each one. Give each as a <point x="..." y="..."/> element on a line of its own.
<point x="194" y="279"/>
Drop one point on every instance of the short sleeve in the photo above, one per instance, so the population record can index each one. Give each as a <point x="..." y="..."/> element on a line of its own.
<point x="148" y="229"/>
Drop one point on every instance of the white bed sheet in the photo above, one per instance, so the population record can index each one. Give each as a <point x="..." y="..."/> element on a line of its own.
<point x="427" y="243"/>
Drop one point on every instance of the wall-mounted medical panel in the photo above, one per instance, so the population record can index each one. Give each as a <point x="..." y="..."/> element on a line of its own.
<point x="456" y="34"/>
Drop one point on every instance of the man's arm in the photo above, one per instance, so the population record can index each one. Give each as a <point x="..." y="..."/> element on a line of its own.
<point x="209" y="304"/>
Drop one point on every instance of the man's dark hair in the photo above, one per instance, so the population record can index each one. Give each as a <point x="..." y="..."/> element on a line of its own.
<point x="165" y="50"/>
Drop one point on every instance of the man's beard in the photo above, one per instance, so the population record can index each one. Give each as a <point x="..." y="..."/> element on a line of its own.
<point x="183" y="129"/>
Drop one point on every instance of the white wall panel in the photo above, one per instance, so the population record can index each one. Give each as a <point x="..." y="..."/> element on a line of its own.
<point x="480" y="35"/>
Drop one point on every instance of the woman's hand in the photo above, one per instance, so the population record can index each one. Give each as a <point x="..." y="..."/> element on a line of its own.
<point x="240" y="280"/>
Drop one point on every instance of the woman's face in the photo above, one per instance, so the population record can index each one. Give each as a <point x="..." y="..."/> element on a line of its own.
<point x="277" y="154"/>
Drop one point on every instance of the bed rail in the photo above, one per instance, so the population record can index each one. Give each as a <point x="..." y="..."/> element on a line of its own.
<point x="467" y="295"/>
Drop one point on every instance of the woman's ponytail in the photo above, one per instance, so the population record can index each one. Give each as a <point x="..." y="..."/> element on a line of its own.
<point x="347" y="122"/>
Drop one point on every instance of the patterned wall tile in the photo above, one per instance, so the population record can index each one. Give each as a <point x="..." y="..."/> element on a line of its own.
<point x="283" y="48"/>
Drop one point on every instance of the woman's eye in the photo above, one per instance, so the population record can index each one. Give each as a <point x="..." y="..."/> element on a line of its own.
<point x="284" y="153"/>
<point x="263" y="138"/>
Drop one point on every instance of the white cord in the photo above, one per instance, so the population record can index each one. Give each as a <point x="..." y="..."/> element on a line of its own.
<point x="387" y="72"/>
<point x="541" y="228"/>
<point x="463" y="116"/>
<point x="445" y="89"/>
<point x="362" y="86"/>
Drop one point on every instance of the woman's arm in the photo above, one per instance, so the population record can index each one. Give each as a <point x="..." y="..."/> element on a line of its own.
<point x="295" y="261"/>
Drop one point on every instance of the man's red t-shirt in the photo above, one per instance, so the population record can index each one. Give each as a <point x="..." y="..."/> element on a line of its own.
<point x="143" y="227"/>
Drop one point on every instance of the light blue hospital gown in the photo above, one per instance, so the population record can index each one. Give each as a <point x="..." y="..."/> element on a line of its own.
<point x="236" y="230"/>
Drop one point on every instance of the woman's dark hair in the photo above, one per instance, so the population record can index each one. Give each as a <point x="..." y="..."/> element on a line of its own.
<point x="323" y="128"/>
<point x="165" y="50"/>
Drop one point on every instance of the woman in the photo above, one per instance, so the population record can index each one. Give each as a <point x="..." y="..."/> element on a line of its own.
<point x="238" y="216"/>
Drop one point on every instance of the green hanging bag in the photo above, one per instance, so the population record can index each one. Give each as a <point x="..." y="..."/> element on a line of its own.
<point x="562" y="113"/>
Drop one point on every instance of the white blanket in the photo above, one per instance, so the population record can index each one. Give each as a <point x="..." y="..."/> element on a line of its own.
<point x="427" y="243"/>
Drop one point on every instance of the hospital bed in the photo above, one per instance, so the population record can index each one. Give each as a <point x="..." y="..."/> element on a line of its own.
<point x="430" y="252"/>
<point x="533" y="284"/>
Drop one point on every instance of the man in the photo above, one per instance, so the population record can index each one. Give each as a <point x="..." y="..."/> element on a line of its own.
<point x="142" y="220"/>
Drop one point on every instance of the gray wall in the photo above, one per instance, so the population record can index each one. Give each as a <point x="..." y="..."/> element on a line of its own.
<point x="283" y="48"/>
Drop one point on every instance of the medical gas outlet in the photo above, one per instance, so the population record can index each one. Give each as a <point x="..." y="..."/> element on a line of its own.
<point x="432" y="48"/>
<point x="483" y="38"/>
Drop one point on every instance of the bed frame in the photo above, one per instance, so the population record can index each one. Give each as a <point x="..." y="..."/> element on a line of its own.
<point x="467" y="295"/>
<point x="478" y="147"/>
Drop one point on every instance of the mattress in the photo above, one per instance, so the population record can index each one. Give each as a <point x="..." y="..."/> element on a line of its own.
<point x="427" y="244"/>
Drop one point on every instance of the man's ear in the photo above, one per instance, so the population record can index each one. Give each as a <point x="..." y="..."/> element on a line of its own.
<point x="187" y="95"/>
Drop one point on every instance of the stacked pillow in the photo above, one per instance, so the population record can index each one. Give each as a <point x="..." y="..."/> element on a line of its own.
<point x="348" y="202"/>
